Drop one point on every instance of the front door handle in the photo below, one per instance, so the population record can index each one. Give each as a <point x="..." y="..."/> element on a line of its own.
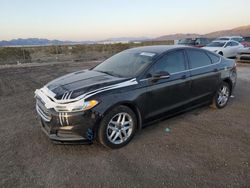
<point x="184" y="77"/>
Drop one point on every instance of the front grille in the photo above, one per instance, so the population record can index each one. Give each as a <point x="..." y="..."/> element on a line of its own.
<point x="43" y="111"/>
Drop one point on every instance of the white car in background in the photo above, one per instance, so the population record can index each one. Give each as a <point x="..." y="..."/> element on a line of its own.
<point x="235" y="38"/>
<point x="226" y="48"/>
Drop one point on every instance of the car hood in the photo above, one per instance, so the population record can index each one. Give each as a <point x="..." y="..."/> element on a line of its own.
<point x="213" y="49"/>
<point x="78" y="83"/>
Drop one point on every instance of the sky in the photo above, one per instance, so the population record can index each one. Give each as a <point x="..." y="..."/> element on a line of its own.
<point x="100" y="19"/>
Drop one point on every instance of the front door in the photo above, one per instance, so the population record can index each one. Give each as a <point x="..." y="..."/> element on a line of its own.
<point x="167" y="92"/>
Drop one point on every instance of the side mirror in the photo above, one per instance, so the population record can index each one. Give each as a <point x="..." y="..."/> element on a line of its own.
<point x="160" y="75"/>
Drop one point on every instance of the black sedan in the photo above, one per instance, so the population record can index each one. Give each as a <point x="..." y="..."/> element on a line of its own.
<point x="130" y="90"/>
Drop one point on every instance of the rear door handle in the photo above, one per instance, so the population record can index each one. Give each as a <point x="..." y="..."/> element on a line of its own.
<point x="215" y="70"/>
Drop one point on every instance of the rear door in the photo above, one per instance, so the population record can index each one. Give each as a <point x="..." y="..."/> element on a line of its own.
<point x="204" y="73"/>
<point x="168" y="93"/>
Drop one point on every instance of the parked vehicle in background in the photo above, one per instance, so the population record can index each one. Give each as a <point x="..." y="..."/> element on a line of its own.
<point x="196" y="42"/>
<point x="244" y="55"/>
<point x="226" y="48"/>
<point x="130" y="90"/>
<point x="201" y="42"/>
<point x="186" y="41"/>
<point x="246" y="42"/>
<point x="235" y="38"/>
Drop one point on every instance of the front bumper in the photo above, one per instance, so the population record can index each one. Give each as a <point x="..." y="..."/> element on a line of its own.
<point x="64" y="126"/>
<point x="68" y="128"/>
<point x="66" y="137"/>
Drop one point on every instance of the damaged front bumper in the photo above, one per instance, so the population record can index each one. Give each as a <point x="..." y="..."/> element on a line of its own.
<point x="79" y="128"/>
<point x="66" y="127"/>
<point x="66" y="136"/>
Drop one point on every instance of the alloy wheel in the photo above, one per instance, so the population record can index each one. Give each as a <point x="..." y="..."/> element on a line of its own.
<point x="120" y="128"/>
<point x="223" y="95"/>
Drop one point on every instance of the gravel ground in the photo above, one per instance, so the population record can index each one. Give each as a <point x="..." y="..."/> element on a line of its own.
<point x="204" y="148"/>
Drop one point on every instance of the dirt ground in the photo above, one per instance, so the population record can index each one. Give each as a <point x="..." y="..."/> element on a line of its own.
<point x="204" y="148"/>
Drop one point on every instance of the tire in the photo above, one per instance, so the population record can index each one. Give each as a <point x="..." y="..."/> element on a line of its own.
<point x="220" y="53"/>
<point x="113" y="132"/>
<point x="222" y="96"/>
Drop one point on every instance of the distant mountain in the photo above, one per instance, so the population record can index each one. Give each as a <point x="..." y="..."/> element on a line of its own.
<point x="238" y="31"/>
<point x="38" y="42"/>
<point x="241" y="31"/>
<point x="176" y="36"/>
<point x="126" y="39"/>
<point x="46" y="42"/>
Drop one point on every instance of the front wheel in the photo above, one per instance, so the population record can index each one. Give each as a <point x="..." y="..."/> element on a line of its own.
<point x="220" y="53"/>
<point x="222" y="96"/>
<point x="117" y="127"/>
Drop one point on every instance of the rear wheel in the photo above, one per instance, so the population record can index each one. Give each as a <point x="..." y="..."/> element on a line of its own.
<point x="222" y="96"/>
<point x="117" y="127"/>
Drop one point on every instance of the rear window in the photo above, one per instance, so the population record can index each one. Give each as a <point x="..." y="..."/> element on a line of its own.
<point x="213" y="57"/>
<point x="198" y="58"/>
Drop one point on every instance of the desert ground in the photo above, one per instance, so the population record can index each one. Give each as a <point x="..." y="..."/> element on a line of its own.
<point x="204" y="147"/>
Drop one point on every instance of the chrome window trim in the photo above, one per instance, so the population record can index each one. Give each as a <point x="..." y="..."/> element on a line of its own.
<point x="165" y="76"/>
<point x="144" y="79"/>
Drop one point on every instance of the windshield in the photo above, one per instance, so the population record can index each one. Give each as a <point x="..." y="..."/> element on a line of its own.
<point x="238" y="39"/>
<point x="186" y="41"/>
<point x="216" y="44"/>
<point x="126" y="64"/>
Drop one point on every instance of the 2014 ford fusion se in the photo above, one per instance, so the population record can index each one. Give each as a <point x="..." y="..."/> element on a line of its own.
<point x="130" y="90"/>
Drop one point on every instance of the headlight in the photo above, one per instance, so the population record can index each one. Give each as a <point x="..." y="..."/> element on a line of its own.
<point x="78" y="106"/>
<point x="90" y="104"/>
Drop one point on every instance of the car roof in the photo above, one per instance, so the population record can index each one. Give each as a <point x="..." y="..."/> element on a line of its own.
<point x="236" y="37"/>
<point x="229" y="37"/>
<point x="226" y="41"/>
<point x="157" y="49"/>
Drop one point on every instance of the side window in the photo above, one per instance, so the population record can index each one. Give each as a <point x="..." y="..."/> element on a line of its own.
<point x="198" y="58"/>
<point x="228" y="44"/>
<point x="172" y="62"/>
<point x="213" y="57"/>
<point x="234" y="44"/>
